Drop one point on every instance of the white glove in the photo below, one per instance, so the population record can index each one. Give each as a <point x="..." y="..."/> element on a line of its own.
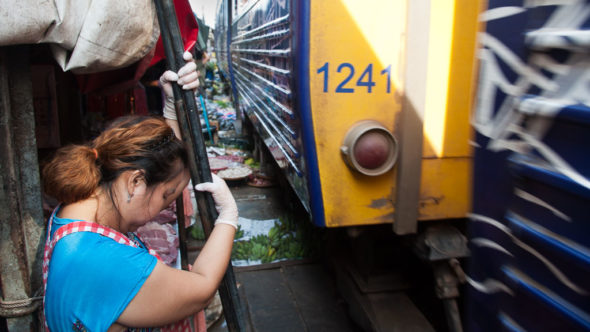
<point x="187" y="77"/>
<point x="224" y="201"/>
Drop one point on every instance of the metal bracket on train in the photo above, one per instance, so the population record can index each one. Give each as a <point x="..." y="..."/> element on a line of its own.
<point x="448" y="276"/>
<point x="441" y="242"/>
<point x="441" y="245"/>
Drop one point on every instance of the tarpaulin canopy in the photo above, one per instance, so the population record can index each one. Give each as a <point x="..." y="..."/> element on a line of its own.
<point x="108" y="43"/>
<point x="89" y="36"/>
<point x="85" y="36"/>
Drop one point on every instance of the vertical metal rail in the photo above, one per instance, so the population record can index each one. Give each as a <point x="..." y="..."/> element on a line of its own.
<point x="409" y="169"/>
<point x="21" y="220"/>
<point x="239" y="123"/>
<point x="190" y="127"/>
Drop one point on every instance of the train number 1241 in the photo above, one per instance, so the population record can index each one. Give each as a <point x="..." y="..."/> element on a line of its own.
<point x="347" y="85"/>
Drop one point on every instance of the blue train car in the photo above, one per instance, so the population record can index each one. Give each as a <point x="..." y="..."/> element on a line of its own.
<point x="529" y="230"/>
<point x="472" y="109"/>
<point x="256" y="42"/>
<point x="221" y="36"/>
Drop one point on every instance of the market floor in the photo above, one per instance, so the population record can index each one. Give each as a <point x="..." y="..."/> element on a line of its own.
<point x="296" y="295"/>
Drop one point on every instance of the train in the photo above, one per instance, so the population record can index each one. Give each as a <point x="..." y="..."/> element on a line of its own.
<point x="460" y="126"/>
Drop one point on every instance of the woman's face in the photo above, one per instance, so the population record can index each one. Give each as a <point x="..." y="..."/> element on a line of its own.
<point x="146" y="203"/>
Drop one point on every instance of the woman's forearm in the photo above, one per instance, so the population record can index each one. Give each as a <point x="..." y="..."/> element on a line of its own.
<point x="214" y="257"/>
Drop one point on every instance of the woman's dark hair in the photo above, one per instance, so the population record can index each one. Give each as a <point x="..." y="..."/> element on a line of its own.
<point x="131" y="143"/>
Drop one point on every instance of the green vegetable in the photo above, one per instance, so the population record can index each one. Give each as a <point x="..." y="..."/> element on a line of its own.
<point x="287" y="239"/>
<point x="239" y="232"/>
<point x="196" y="232"/>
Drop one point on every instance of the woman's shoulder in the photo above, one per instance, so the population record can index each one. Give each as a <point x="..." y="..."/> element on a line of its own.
<point x="89" y="246"/>
<point x="82" y="210"/>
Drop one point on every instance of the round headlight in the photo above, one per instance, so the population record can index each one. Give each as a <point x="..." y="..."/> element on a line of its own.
<point x="369" y="148"/>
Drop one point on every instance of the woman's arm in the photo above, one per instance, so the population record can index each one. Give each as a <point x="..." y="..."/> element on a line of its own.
<point x="168" y="294"/>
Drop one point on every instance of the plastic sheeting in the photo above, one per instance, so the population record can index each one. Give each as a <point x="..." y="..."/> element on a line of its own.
<point x="86" y="36"/>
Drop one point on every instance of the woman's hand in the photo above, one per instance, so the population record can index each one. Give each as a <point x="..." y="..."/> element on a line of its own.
<point x="224" y="201"/>
<point x="187" y="76"/>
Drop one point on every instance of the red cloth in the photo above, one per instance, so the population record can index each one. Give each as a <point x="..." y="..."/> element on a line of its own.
<point x="189" y="29"/>
<point x="140" y="100"/>
<point x="114" y="81"/>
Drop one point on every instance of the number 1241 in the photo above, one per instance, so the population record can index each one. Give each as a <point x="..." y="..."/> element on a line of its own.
<point x="365" y="80"/>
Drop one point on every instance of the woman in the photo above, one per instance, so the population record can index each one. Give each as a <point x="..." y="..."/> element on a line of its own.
<point x="99" y="275"/>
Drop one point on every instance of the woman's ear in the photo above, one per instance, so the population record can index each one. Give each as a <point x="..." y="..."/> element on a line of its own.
<point x="136" y="183"/>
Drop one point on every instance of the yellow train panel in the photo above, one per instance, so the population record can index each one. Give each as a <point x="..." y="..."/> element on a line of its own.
<point x="346" y="37"/>
<point x="356" y="70"/>
<point x="451" y="71"/>
<point x="445" y="191"/>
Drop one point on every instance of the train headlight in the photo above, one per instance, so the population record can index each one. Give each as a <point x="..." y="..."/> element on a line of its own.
<point x="369" y="148"/>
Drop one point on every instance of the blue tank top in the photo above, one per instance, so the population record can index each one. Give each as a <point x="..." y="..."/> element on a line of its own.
<point x="92" y="279"/>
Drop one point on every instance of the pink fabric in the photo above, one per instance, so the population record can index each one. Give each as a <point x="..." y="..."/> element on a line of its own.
<point x="200" y="322"/>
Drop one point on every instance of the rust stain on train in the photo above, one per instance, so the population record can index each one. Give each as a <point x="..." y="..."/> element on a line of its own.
<point x="385" y="203"/>
<point x="430" y="200"/>
<point x="381" y="203"/>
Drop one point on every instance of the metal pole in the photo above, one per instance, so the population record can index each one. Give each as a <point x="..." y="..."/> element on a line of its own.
<point x="190" y="127"/>
<point x="409" y="167"/>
